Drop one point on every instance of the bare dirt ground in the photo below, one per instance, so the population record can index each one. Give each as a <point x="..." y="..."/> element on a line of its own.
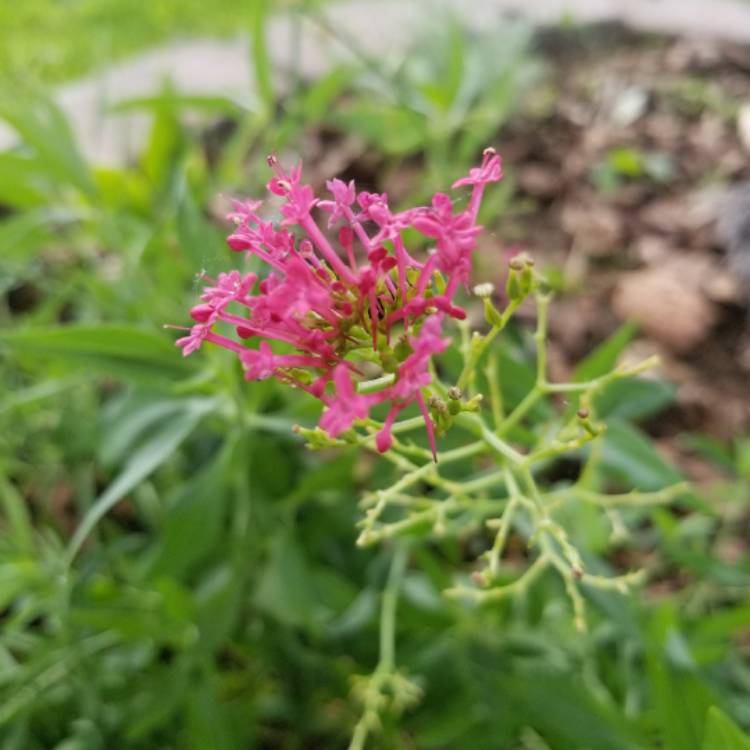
<point x="633" y="178"/>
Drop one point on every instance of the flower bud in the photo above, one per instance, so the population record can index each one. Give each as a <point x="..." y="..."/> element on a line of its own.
<point x="521" y="280"/>
<point x="484" y="290"/>
<point x="202" y="313"/>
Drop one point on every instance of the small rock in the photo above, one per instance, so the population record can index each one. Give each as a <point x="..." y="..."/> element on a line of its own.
<point x="540" y="180"/>
<point x="629" y="106"/>
<point x="596" y="229"/>
<point x="665" y="215"/>
<point x="668" y="304"/>
<point x="652" y="248"/>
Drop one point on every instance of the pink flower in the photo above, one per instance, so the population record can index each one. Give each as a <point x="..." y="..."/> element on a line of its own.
<point x="490" y="170"/>
<point x="347" y="405"/>
<point x="455" y="236"/>
<point x="328" y="309"/>
<point x="344" y="196"/>
<point x="413" y="373"/>
<point x="193" y="341"/>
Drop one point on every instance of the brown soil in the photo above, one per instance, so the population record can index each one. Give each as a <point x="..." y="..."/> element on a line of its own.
<point x="625" y="174"/>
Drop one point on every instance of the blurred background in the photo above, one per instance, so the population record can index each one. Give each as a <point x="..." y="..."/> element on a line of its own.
<point x="176" y="571"/>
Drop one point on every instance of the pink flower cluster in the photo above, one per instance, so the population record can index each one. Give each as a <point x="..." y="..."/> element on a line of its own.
<point x="341" y="313"/>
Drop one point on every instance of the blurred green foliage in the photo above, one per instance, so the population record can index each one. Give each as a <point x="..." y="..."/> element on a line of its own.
<point x="176" y="572"/>
<point x="98" y="32"/>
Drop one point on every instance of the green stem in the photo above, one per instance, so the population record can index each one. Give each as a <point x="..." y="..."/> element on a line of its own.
<point x="478" y="348"/>
<point x="496" y="394"/>
<point x="540" y="338"/>
<point x="376" y="384"/>
<point x="528" y="401"/>
<point x="475" y="424"/>
<point x="388" y="610"/>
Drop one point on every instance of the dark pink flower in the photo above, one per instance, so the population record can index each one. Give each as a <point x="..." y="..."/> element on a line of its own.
<point x="330" y="301"/>
<point x="346" y="406"/>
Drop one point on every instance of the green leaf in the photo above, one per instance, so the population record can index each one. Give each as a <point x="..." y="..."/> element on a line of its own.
<point x="680" y="697"/>
<point x="120" y="351"/>
<point x="722" y="733"/>
<point x="286" y="588"/>
<point x="604" y="358"/>
<point x="634" y="398"/>
<point x="261" y="59"/>
<point x="22" y="235"/>
<point x="218" y="600"/>
<point x="44" y="128"/>
<point x="161" y="160"/>
<point x="151" y="453"/>
<point x="629" y="457"/>
<point x="396" y="130"/>
<point x="17" y="516"/>
<point x="198" y="239"/>
<point x="24" y="182"/>
<point x="193" y="521"/>
<point x="208" y="724"/>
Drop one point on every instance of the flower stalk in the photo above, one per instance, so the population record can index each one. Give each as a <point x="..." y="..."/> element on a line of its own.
<point x="359" y="325"/>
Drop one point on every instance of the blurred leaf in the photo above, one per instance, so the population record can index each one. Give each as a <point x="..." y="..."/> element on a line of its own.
<point x="158" y="697"/>
<point x="634" y="398"/>
<point x="208" y="724"/>
<point x="629" y="456"/>
<point x="680" y="697"/>
<point x="193" y="520"/>
<point x="722" y="733"/>
<point x="201" y="242"/>
<point x="151" y="453"/>
<point x="161" y="160"/>
<point x="218" y="601"/>
<point x="17" y="516"/>
<point x="712" y="449"/>
<point x="398" y="132"/>
<point x="25" y="233"/>
<point x="261" y="59"/>
<point x="118" y="350"/>
<point x="626" y="161"/>
<point x="604" y="358"/>
<point x="24" y="181"/>
<point x="361" y="612"/>
<point x="220" y="106"/>
<point x="43" y="127"/>
<point x="285" y="590"/>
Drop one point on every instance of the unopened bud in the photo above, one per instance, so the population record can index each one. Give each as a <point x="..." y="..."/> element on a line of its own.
<point x="455" y="393"/>
<point x="438" y="405"/>
<point x="271" y="160"/>
<point x="521" y="279"/>
<point x="582" y="414"/>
